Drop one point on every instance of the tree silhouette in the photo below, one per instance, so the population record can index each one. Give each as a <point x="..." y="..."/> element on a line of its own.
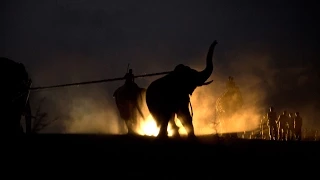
<point x="40" y="119"/>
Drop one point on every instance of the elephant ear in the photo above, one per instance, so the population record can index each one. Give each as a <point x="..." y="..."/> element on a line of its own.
<point x="186" y="78"/>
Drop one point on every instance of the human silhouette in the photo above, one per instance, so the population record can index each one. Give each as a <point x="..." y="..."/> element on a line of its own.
<point x="297" y="126"/>
<point x="283" y="125"/>
<point x="272" y="124"/>
<point x="230" y="83"/>
<point x="130" y="85"/>
<point x="129" y="77"/>
<point x="291" y="131"/>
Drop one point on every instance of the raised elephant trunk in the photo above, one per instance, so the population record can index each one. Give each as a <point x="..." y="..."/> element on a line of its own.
<point x="206" y="73"/>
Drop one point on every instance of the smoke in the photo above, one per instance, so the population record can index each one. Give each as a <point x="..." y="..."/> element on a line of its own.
<point x="254" y="80"/>
<point x="262" y="84"/>
<point x="250" y="77"/>
<point x="91" y="108"/>
<point x="80" y="109"/>
<point x="68" y="42"/>
<point x="89" y="116"/>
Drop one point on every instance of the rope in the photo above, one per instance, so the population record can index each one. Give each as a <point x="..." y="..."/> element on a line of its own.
<point x="95" y="82"/>
<point x="84" y="83"/>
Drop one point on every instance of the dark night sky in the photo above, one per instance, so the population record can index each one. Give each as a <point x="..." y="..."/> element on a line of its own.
<point x="65" y="41"/>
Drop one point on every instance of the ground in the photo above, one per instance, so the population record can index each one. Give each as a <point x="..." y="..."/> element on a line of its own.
<point x="145" y="152"/>
<point x="206" y="146"/>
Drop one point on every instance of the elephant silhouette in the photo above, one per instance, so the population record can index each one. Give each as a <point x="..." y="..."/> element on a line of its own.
<point x="129" y="101"/>
<point x="170" y="95"/>
<point x="15" y="96"/>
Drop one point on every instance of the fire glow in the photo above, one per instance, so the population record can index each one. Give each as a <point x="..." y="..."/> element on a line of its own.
<point x="148" y="127"/>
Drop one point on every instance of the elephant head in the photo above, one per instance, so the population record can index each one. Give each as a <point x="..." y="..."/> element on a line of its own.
<point x="16" y="94"/>
<point x="188" y="79"/>
<point x="169" y="95"/>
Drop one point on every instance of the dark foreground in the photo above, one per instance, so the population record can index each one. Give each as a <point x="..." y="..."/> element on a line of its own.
<point x="146" y="152"/>
<point x="149" y="146"/>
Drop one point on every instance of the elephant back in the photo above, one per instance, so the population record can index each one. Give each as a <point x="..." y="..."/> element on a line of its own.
<point x="15" y="82"/>
<point x="129" y="93"/>
<point x="14" y="78"/>
<point x="129" y="101"/>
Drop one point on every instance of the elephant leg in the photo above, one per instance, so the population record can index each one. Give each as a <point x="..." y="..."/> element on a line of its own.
<point x="139" y="103"/>
<point x="132" y="119"/>
<point x="129" y="126"/>
<point x="186" y="120"/>
<point x="162" y="121"/>
<point x="138" y="108"/>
